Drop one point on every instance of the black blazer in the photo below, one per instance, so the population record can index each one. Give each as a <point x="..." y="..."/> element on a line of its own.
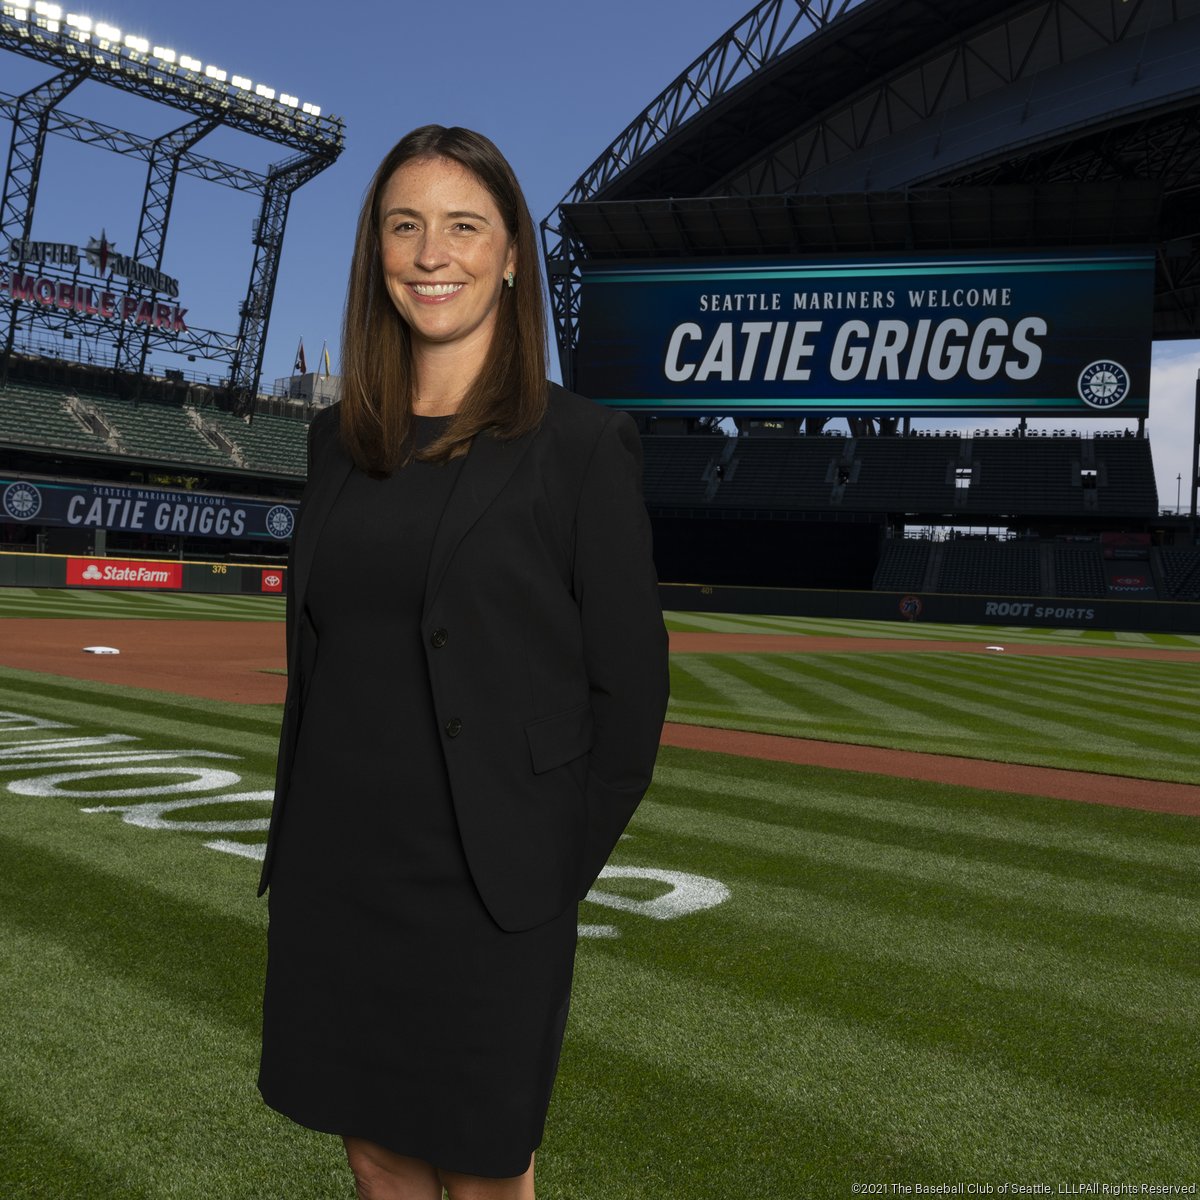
<point x="545" y="644"/>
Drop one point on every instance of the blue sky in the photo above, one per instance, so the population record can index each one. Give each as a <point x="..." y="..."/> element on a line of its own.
<point x="552" y="83"/>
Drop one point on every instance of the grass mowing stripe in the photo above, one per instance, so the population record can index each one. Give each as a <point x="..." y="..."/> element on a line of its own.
<point x="1168" y="691"/>
<point x="1103" y="849"/>
<point x="1005" y="713"/>
<point x="1067" y="718"/>
<point x="145" y="1098"/>
<point x="907" y="702"/>
<point x="202" y="967"/>
<point x="41" y="1163"/>
<point x="859" y="1081"/>
<point x="1026" y="695"/>
<point x="832" y="627"/>
<point x="1016" y="1014"/>
<point x="875" y="701"/>
<point x="886" y="674"/>
<point x="84" y="603"/>
<point x="951" y="870"/>
<point x="134" y="710"/>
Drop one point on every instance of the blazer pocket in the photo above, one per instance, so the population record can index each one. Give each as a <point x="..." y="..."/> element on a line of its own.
<point x="560" y="739"/>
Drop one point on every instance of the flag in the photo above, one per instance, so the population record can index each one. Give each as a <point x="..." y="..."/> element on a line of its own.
<point x="300" y="367"/>
<point x="325" y="369"/>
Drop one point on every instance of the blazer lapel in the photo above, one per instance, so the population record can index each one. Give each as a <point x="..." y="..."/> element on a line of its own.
<point x="489" y="465"/>
<point x="317" y="506"/>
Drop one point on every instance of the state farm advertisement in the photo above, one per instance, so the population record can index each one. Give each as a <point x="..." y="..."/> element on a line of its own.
<point x="123" y="573"/>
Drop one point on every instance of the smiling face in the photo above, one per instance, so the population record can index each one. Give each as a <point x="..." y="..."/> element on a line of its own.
<point x="444" y="251"/>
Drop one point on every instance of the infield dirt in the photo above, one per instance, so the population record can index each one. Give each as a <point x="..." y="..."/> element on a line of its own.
<point x="244" y="662"/>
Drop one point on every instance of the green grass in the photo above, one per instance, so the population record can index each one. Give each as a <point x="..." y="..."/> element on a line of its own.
<point x="689" y="622"/>
<point x="135" y="605"/>
<point x="89" y="602"/>
<point x="907" y="982"/>
<point x="1116" y="716"/>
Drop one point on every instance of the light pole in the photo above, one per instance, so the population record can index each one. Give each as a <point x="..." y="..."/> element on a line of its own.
<point x="1178" y="481"/>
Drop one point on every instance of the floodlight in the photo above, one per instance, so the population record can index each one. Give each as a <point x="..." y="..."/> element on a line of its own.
<point x="313" y="110"/>
<point x="107" y="33"/>
<point x="163" y="54"/>
<point x="215" y="73"/>
<point x="21" y="4"/>
<point x="83" y="24"/>
<point x="138" y="44"/>
<point x="47" y="10"/>
<point x="240" y="81"/>
<point x="190" y="64"/>
<point x="268" y="93"/>
<point x="290" y="101"/>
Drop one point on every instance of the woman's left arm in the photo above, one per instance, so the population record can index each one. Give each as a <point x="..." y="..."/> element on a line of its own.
<point x="624" y="641"/>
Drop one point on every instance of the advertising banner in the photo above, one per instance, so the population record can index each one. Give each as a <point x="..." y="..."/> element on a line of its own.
<point x="1031" y="334"/>
<point x="144" y="510"/>
<point x="123" y="573"/>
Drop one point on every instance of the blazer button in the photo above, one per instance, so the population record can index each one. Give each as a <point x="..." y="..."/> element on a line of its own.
<point x="438" y="638"/>
<point x="453" y="727"/>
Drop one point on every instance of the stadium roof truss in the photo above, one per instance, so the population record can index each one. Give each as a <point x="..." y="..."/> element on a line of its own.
<point x="1052" y="108"/>
<point x="100" y="55"/>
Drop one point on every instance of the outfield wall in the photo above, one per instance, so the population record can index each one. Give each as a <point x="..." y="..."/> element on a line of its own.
<point x="1145" y="616"/>
<point x="144" y="574"/>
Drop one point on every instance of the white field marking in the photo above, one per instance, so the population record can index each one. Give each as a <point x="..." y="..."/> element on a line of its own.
<point x="688" y="894"/>
<point x="254" y="850"/>
<point x="19" y="722"/>
<point x="36" y="747"/>
<point x="150" y="815"/>
<point x="109" y="758"/>
<point x="205" y="779"/>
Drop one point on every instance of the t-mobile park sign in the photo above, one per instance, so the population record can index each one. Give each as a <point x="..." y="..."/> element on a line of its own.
<point x="36" y="278"/>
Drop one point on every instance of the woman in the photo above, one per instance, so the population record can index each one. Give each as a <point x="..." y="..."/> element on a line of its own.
<point x="476" y="686"/>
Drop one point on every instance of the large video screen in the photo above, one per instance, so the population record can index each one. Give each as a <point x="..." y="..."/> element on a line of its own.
<point x="1045" y="334"/>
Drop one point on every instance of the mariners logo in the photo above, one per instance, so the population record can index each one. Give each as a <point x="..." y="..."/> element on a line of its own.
<point x="280" y="521"/>
<point x="22" y="501"/>
<point x="911" y="607"/>
<point x="1103" y="384"/>
<point x="97" y="252"/>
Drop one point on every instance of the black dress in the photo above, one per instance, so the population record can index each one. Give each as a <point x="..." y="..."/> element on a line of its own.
<point x="396" y="1009"/>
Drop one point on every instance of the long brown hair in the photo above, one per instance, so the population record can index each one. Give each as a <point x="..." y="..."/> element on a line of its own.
<point x="378" y="380"/>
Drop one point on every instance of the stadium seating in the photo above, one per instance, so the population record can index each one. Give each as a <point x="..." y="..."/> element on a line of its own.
<point x="159" y="431"/>
<point x="676" y="468"/>
<point x="152" y="429"/>
<point x="31" y="415"/>
<point x="903" y="563"/>
<point x="946" y="475"/>
<point x="1181" y="572"/>
<point x="979" y="567"/>
<point x="1079" y="572"/>
<point x="265" y="443"/>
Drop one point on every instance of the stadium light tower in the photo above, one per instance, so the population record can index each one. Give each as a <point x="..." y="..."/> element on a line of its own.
<point x="80" y="48"/>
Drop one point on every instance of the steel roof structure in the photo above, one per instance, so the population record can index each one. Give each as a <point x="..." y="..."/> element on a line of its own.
<point x="79" y="49"/>
<point x="847" y="125"/>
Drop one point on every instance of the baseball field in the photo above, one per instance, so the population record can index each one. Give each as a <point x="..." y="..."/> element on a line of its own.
<point x="907" y="907"/>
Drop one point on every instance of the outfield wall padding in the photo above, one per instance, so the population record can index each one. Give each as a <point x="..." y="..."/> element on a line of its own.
<point x="50" y="571"/>
<point x="1135" y="616"/>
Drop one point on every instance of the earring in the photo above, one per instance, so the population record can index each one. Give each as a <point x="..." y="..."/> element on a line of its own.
<point x="510" y="278"/>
